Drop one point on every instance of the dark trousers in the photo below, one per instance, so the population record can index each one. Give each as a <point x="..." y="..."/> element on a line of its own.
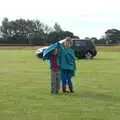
<point x="66" y="76"/>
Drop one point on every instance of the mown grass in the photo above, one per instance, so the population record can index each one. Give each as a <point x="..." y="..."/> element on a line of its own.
<point x="25" y="88"/>
<point x="109" y="48"/>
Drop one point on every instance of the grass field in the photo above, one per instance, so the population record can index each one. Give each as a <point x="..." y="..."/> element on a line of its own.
<point x="25" y="88"/>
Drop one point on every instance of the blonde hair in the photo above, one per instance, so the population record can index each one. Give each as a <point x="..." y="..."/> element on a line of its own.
<point x="68" y="42"/>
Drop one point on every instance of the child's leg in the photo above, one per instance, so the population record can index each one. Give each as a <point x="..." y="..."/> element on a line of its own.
<point x="58" y="81"/>
<point x="69" y="77"/>
<point x="53" y="82"/>
<point x="63" y="75"/>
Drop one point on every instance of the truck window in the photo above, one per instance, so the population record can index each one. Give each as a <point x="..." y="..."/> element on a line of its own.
<point x="80" y="43"/>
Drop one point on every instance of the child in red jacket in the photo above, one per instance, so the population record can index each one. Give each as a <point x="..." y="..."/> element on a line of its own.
<point x="55" y="73"/>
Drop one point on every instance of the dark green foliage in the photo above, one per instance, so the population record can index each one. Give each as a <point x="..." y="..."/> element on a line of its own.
<point x="56" y="36"/>
<point x="31" y="32"/>
<point x="112" y="36"/>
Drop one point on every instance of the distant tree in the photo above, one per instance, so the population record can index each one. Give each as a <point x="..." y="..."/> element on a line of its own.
<point x="77" y="37"/>
<point x="41" y="31"/>
<point x="112" y="36"/>
<point x="47" y="29"/>
<point x="4" y="28"/>
<point x="100" y="41"/>
<point x="87" y="38"/>
<point x="24" y="30"/>
<point x="56" y="36"/>
<point x="31" y="32"/>
<point x="57" y="28"/>
<point x="67" y="33"/>
<point x="14" y="28"/>
<point x="93" y="39"/>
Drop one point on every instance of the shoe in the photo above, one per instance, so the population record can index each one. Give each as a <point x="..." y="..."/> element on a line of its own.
<point x="54" y="92"/>
<point x="71" y="91"/>
<point x="65" y="91"/>
<point x="51" y="92"/>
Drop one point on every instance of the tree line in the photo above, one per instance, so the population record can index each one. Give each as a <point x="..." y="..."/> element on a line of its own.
<point x="31" y="32"/>
<point x="111" y="37"/>
<point x="34" y="32"/>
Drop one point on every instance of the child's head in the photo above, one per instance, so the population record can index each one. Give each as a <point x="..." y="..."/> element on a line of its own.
<point x="68" y="42"/>
<point x="55" y="51"/>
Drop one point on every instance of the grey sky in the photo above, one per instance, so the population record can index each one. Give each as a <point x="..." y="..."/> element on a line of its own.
<point x="85" y="18"/>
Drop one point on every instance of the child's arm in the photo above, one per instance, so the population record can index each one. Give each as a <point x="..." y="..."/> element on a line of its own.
<point x="47" y="51"/>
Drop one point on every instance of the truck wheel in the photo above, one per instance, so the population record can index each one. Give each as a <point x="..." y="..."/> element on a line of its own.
<point x="88" y="55"/>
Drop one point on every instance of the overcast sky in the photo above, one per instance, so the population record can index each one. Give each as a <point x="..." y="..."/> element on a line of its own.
<point x="85" y="18"/>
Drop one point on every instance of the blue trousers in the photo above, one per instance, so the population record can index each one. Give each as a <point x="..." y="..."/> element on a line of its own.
<point x="66" y="76"/>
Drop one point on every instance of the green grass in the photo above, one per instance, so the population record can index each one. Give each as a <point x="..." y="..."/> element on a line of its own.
<point x="25" y="89"/>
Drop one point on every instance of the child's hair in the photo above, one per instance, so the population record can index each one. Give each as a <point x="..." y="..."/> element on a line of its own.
<point x="68" y="42"/>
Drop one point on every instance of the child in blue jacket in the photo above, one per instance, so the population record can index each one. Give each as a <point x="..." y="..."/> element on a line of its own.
<point x="51" y="54"/>
<point x="67" y="64"/>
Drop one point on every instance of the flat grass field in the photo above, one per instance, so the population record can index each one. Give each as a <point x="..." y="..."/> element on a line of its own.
<point x="25" y="88"/>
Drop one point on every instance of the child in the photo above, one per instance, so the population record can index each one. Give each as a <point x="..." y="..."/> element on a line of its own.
<point x="55" y="75"/>
<point x="67" y="64"/>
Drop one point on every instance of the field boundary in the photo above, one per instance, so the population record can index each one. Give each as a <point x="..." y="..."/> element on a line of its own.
<point x="34" y="47"/>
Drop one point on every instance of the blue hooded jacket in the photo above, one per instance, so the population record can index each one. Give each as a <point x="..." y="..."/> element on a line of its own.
<point x="65" y="57"/>
<point x="47" y="51"/>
